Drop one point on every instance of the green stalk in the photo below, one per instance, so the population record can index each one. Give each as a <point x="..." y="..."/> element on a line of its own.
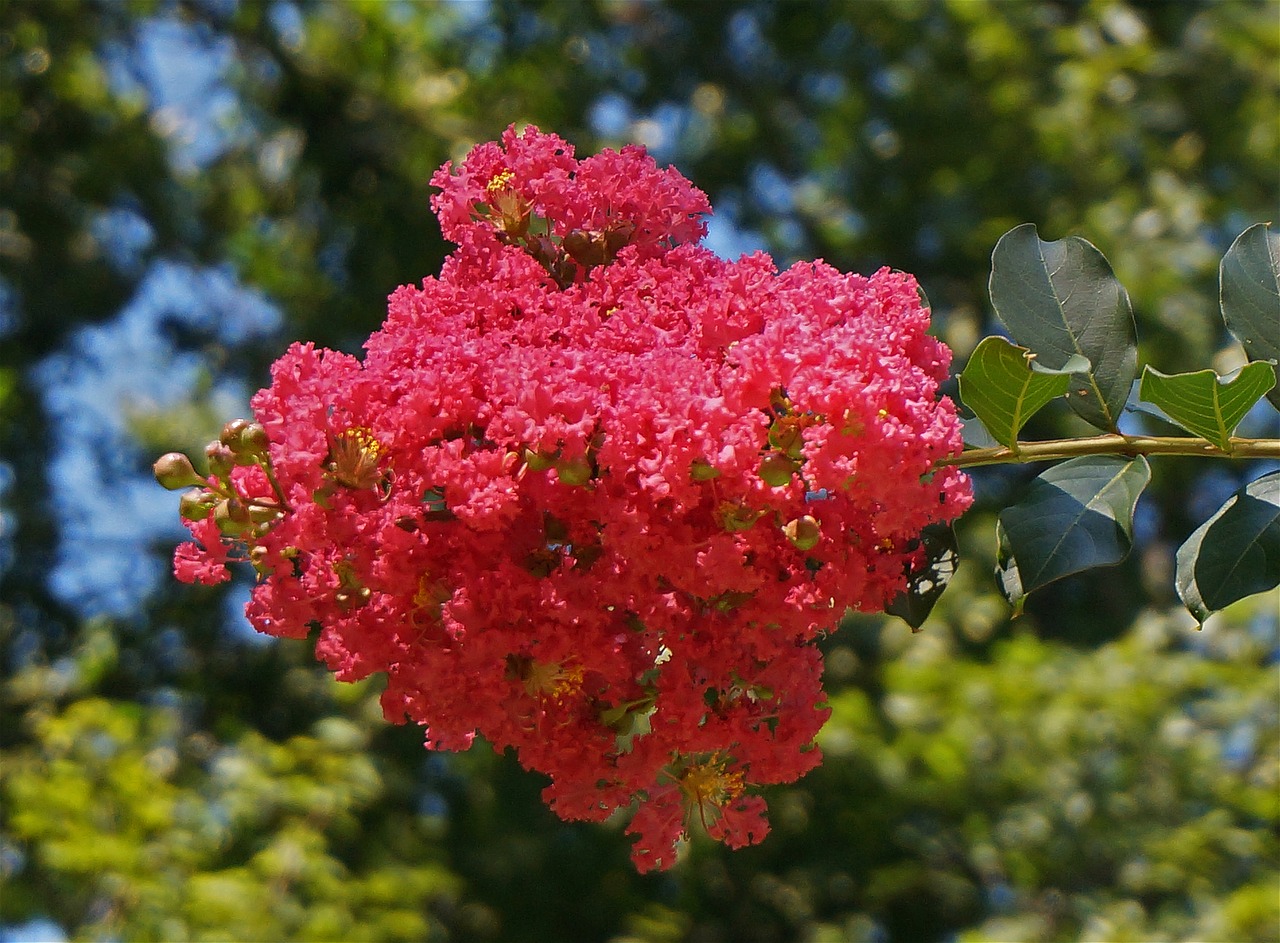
<point x="1114" y="444"/>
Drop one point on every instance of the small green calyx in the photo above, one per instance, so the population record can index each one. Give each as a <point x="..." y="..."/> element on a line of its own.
<point x="537" y="461"/>
<point x="735" y="518"/>
<point x="702" y="470"/>
<point x="574" y="472"/>
<point x="776" y="470"/>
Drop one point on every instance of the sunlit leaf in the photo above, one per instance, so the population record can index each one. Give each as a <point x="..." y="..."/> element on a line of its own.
<point x="1061" y="300"/>
<point x="1235" y="553"/>
<point x="1005" y="386"/>
<point x="1204" y="403"/>
<point x="1075" y="516"/>
<point x="1250" y="296"/>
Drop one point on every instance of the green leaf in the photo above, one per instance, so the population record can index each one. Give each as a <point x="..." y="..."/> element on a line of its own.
<point x="926" y="583"/>
<point x="1061" y="300"/>
<point x="1250" y="296"/>
<point x="1075" y="516"/>
<point x="1005" y="386"/>
<point x="1235" y="553"/>
<point x="1205" y="404"/>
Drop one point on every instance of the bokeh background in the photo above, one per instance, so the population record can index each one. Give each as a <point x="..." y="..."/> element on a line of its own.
<point x="186" y="187"/>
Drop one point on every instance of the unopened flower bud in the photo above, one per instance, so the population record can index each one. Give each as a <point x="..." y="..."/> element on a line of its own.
<point x="586" y="247"/>
<point x="174" y="470"/>
<point x="221" y="459"/>
<point x="247" y="440"/>
<point x="618" y="235"/>
<point x="262" y="515"/>
<point x="196" y="504"/>
<point x="776" y="470"/>
<point x="231" y="517"/>
<point x="804" y="532"/>
<point x="574" y="471"/>
<point x="735" y="517"/>
<point x="230" y="434"/>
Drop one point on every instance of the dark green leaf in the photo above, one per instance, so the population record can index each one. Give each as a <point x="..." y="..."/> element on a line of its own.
<point x="1250" y="296"/>
<point x="1005" y="386"/>
<point x="1075" y="516"/>
<point x="1061" y="299"/>
<point x="1204" y="403"/>
<point x="1235" y="553"/>
<point x="926" y="583"/>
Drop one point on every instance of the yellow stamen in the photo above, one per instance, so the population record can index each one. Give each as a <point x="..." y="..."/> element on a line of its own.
<point x="353" y="458"/>
<point x="553" y="680"/>
<point x="708" y="787"/>
<point x="501" y="181"/>
<point x="429" y="599"/>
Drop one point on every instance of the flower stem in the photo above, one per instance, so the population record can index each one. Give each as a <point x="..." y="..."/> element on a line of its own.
<point x="1114" y="444"/>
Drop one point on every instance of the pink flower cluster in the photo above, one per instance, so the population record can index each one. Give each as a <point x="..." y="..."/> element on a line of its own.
<point x="594" y="492"/>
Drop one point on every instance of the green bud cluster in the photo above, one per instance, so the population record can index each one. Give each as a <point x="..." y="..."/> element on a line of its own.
<point x="242" y="443"/>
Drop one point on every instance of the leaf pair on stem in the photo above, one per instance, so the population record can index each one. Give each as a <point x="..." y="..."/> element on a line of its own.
<point x="1073" y="335"/>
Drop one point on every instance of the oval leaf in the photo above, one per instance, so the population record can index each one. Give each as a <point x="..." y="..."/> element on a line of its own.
<point x="1061" y="300"/>
<point x="1005" y="386"/>
<point x="1249" y="279"/>
<point x="1235" y="553"/>
<point x="1204" y="403"/>
<point x="1075" y="516"/>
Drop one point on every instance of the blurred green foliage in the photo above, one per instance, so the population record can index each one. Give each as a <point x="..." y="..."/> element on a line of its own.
<point x="1094" y="771"/>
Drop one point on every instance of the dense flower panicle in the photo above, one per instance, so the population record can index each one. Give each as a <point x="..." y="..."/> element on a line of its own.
<point x="594" y="492"/>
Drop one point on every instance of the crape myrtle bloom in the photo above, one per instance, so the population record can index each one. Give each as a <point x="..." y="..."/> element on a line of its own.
<point x="593" y="493"/>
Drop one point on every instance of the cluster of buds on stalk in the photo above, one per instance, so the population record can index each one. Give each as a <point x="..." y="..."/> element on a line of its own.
<point x="241" y="444"/>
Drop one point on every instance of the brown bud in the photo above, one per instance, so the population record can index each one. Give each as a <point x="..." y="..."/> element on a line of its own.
<point x="231" y="432"/>
<point x="618" y="235"/>
<point x="804" y="532"/>
<point x="174" y="470"/>
<point x="250" y="444"/>
<point x="586" y="247"/>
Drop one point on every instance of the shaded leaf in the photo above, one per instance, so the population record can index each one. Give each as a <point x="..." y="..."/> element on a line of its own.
<point x="1235" y="553"/>
<point x="975" y="434"/>
<point x="1249" y="280"/>
<point x="1075" y="516"/>
<point x="1005" y="386"/>
<point x="1061" y="300"/>
<point x="1204" y="403"/>
<point x="926" y="583"/>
